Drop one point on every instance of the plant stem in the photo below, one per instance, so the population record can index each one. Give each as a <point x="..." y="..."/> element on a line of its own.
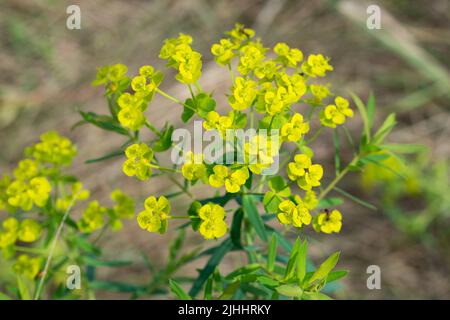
<point x="152" y="128"/>
<point x="52" y="248"/>
<point x="337" y="178"/>
<point x="315" y="136"/>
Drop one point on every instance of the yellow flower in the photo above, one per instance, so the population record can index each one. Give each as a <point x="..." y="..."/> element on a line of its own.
<point x="267" y="70"/>
<point x="194" y="168"/>
<point x="259" y="152"/>
<point x="154" y="217"/>
<point x="125" y="206"/>
<point x="131" y="118"/>
<point x="53" y="149"/>
<point x="310" y="200"/>
<point x="223" y="51"/>
<point x="5" y="181"/>
<point x="293" y="213"/>
<point x="77" y="193"/>
<point x="306" y="174"/>
<point x="213" y="225"/>
<point x="26" y="169"/>
<point x="288" y="56"/>
<point x="274" y="100"/>
<point x="244" y="93"/>
<point x="27" y="266"/>
<point x="9" y="234"/>
<point x="92" y="218"/>
<point x="29" y="230"/>
<point x="39" y="191"/>
<point x="180" y="56"/>
<point x="232" y="179"/>
<point x="252" y="55"/>
<point x="240" y="33"/>
<point x="316" y="65"/>
<point x="217" y="122"/>
<point x="22" y="194"/>
<point x="139" y="161"/>
<point x="328" y="222"/>
<point x="320" y="92"/>
<point x="110" y="74"/>
<point x="335" y="114"/>
<point x="295" y="129"/>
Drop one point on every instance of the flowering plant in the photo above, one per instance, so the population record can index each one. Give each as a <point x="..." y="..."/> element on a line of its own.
<point x="276" y="95"/>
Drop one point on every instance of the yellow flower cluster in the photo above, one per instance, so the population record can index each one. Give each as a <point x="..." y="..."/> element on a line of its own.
<point x="217" y="122"/>
<point x="23" y="194"/>
<point x="154" y="217"/>
<point x="27" y="266"/>
<point x="77" y="193"/>
<point x="306" y="174"/>
<point x="288" y="56"/>
<point x="114" y="77"/>
<point x="132" y="106"/>
<point x="213" y="225"/>
<point x="328" y="222"/>
<point x="233" y="179"/>
<point x="295" y="129"/>
<point x="53" y="149"/>
<point x="316" y="66"/>
<point x="334" y="114"/>
<point x="182" y="57"/>
<point x="27" y="230"/>
<point x="193" y="168"/>
<point x="139" y="161"/>
<point x="260" y="152"/>
<point x="244" y="93"/>
<point x="92" y="218"/>
<point x="294" y="213"/>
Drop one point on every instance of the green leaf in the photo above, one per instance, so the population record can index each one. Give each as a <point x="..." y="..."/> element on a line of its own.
<point x="329" y="203"/>
<point x="404" y="148"/>
<point x="271" y="201"/>
<point x="210" y="266"/>
<point x="301" y="261"/>
<point x="243" y="270"/>
<point x="289" y="290"/>
<point x="236" y="227"/>
<point x="336" y="275"/>
<point x="205" y="103"/>
<point x="315" y="296"/>
<point x="280" y="186"/>
<point x="362" y="110"/>
<point x="229" y="292"/>
<point x="23" y="289"/>
<point x="4" y="296"/>
<point x="209" y="288"/>
<point x="107" y="156"/>
<point x="267" y="281"/>
<point x="385" y="129"/>
<point x="178" y="291"/>
<point x="104" y="122"/>
<point x="292" y="262"/>
<point x="355" y="199"/>
<point x="371" y="109"/>
<point x="165" y="141"/>
<point x="273" y="245"/>
<point x="175" y="247"/>
<point x="254" y="217"/>
<point x="239" y="119"/>
<point x="325" y="268"/>
<point x="188" y="110"/>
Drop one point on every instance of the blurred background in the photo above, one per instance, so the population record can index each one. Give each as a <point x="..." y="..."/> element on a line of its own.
<point x="46" y="72"/>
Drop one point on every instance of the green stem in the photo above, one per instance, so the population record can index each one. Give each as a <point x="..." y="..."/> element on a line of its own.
<point x="337" y="178"/>
<point x="52" y="248"/>
<point x="152" y="128"/>
<point x="315" y="136"/>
